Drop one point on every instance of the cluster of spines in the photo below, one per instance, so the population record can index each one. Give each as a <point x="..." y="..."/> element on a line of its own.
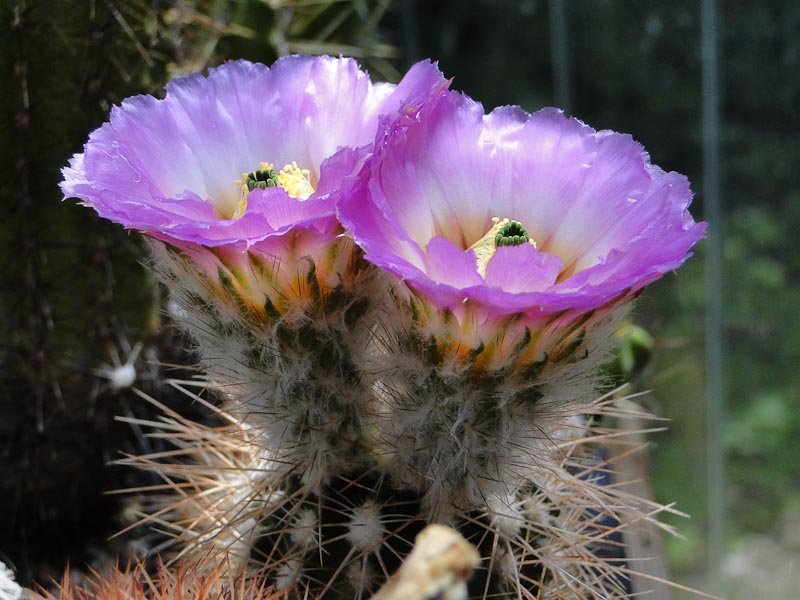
<point x="204" y="580"/>
<point x="551" y="537"/>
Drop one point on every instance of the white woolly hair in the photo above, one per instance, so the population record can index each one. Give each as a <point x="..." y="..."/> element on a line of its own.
<point x="305" y="529"/>
<point x="365" y="529"/>
<point x="288" y="573"/>
<point x="362" y="577"/>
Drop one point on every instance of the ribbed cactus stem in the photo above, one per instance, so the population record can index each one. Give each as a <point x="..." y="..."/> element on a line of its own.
<point x="462" y="424"/>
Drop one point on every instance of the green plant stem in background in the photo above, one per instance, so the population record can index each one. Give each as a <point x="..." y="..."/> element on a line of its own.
<point x="715" y="399"/>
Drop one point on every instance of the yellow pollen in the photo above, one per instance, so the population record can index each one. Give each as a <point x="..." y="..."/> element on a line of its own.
<point x="485" y="247"/>
<point x="293" y="179"/>
<point x="296" y="181"/>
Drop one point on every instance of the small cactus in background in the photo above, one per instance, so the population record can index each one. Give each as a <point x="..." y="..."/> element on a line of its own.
<point x="405" y="322"/>
<point x="73" y="296"/>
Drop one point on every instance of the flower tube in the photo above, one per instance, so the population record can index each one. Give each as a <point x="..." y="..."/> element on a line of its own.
<point x="230" y="178"/>
<point x="514" y="243"/>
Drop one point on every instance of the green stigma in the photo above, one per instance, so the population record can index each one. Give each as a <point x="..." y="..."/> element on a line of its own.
<point x="262" y="179"/>
<point x="511" y="234"/>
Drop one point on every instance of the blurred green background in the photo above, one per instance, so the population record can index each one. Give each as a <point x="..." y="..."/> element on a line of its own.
<point x="73" y="292"/>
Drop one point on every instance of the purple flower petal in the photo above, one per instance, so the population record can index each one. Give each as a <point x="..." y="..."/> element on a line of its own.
<point x="168" y="167"/>
<point x="520" y="269"/>
<point x="450" y="265"/>
<point x="605" y="221"/>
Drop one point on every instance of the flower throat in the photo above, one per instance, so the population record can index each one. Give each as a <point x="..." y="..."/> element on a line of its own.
<point x="504" y="232"/>
<point x="293" y="179"/>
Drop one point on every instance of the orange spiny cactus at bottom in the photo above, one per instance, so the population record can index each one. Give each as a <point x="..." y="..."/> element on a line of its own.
<point x="205" y="580"/>
<point x="440" y="565"/>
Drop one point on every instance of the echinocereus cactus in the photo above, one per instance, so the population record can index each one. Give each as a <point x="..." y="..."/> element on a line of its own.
<point x="274" y="296"/>
<point x="445" y="376"/>
<point x="230" y="177"/>
<point x="513" y="244"/>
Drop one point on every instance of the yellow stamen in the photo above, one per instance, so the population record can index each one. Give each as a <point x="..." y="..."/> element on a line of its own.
<point x="296" y="181"/>
<point x="485" y="247"/>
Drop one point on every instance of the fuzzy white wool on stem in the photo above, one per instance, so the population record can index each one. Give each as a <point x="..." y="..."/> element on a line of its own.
<point x="121" y="374"/>
<point x="362" y="576"/>
<point x="288" y="573"/>
<point x="365" y="529"/>
<point x="504" y="514"/>
<point x="305" y="529"/>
